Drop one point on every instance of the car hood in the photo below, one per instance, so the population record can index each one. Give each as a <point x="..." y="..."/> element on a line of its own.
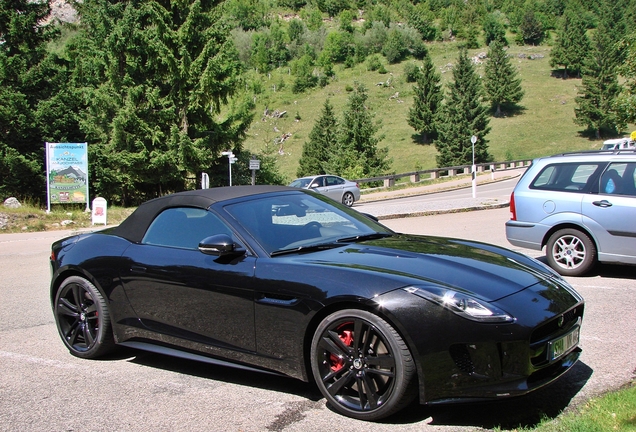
<point x="486" y="271"/>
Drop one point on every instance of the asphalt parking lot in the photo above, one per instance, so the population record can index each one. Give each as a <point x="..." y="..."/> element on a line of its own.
<point x="43" y="388"/>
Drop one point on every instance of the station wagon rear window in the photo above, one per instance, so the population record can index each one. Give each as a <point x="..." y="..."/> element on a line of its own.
<point x="571" y="177"/>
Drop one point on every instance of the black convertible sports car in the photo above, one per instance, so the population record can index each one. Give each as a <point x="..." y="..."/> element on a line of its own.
<point x="287" y="281"/>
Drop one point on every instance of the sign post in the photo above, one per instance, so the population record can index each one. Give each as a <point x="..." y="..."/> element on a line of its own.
<point x="231" y="159"/>
<point x="255" y="164"/>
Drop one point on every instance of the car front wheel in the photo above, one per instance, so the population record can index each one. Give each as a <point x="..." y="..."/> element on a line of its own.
<point x="82" y="318"/>
<point x="362" y="366"/>
<point x="571" y="252"/>
<point x="348" y="199"/>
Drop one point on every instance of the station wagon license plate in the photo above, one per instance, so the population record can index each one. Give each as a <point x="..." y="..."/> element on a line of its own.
<point x="561" y="346"/>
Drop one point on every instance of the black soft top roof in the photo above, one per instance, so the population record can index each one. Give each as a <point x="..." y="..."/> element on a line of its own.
<point x="135" y="225"/>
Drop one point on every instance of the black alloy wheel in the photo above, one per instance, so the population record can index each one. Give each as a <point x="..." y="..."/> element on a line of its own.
<point x="348" y="199"/>
<point x="82" y="318"/>
<point x="362" y="366"/>
<point x="571" y="252"/>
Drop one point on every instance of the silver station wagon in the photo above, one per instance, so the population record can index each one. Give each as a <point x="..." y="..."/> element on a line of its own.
<point x="580" y="206"/>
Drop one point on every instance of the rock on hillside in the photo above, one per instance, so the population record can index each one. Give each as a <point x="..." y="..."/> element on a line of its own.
<point x="62" y="11"/>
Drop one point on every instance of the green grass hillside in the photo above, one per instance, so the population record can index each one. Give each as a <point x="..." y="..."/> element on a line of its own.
<point x="543" y="126"/>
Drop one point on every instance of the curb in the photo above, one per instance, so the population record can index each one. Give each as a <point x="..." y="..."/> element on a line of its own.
<point x="444" y="211"/>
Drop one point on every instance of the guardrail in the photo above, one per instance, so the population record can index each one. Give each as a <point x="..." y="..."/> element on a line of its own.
<point x="416" y="176"/>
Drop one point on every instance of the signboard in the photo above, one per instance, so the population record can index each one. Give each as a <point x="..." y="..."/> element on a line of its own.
<point x="66" y="173"/>
<point x="255" y="164"/>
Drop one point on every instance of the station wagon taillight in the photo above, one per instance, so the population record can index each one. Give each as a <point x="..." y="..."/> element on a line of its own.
<point x="513" y="210"/>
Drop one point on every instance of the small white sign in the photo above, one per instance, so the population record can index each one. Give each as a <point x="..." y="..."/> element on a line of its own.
<point x="255" y="164"/>
<point x="99" y="211"/>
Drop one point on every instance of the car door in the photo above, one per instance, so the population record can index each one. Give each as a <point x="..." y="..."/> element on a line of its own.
<point x="334" y="187"/>
<point x="177" y="290"/>
<point x="611" y="214"/>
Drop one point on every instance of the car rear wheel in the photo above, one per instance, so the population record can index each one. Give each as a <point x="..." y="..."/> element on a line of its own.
<point x="82" y="318"/>
<point x="362" y="366"/>
<point x="348" y="199"/>
<point x="571" y="252"/>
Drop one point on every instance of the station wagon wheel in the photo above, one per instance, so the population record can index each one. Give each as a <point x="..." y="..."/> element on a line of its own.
<point x="571" y="252"/>
<point x="362" y="366"/>
<point x="348" y="199"/>
<point x="82" y="318"/>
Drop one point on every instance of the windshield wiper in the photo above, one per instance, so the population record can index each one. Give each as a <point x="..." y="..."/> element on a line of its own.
<point x="363" y="237"/>
<point x="309" y="248"/>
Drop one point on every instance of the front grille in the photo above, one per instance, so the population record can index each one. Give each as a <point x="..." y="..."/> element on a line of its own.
<point x="556" y="327"/>
<point x="547" y="330"/>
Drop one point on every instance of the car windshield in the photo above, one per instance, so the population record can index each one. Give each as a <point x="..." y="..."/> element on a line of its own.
<point x="300" y="221"/>
<point x="301" y="182"/>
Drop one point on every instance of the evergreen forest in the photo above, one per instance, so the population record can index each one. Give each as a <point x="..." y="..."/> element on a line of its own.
<point x="359" y="88"/>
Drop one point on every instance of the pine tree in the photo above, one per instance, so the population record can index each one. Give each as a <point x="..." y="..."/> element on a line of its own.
<point x="600" y="89"/>
<point x="531" y="29"/>
<point x="36" y="102"/>
<point x="494" y="29"/>
<point x="155" y="76"/>
<point x="626" y="101"/>
<point x="323" y="139"/>
<point x="463" y="115"/>
<point x="502" y="83"/>
<point x="427" y="100"/>
<point x="357" y="154"/>
<point x="572" y="44"/>
<point x="612" y="17"/>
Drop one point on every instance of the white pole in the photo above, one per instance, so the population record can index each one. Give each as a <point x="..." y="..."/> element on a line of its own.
<point x="473" y="140"/>
<point x="230" y="161"/>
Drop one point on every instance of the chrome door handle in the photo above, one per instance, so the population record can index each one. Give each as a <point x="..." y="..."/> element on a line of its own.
<point x="604" y="203"/>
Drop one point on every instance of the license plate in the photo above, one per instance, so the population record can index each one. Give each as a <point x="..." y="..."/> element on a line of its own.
<point x="561" y="346"/>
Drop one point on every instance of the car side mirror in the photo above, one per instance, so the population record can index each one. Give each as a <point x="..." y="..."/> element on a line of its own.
<point x="220" y="245"/>
<point x="314" y="185"/>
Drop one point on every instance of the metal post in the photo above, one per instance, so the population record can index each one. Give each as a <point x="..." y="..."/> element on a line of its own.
<point x="231" y="159"/>
<point x="473" y="140"/>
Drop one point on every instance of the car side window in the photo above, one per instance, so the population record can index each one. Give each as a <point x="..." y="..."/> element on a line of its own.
<point x="566" y="177"/>
<point x="332" y="181"/>
<point x="184" y="227"/>
<point x="619" y="179"/>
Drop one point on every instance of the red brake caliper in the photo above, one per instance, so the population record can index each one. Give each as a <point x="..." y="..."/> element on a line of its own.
<point x="346" y="336"/>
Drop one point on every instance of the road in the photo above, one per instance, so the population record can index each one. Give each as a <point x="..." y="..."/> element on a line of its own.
<point x="488" y="195"/>
<point x="43" y="388"/>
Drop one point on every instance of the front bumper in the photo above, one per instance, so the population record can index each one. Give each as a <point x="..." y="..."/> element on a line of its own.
<point x="462" y="360"/>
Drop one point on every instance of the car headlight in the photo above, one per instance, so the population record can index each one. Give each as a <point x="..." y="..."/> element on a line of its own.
<point x="461" y="304"/>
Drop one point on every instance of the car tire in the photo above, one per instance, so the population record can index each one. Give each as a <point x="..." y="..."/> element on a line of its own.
<point x="82" y="318"/>
<point x="362" y="366"/>
<point x="348" y="199"/>
<point x="571" y="252"/>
